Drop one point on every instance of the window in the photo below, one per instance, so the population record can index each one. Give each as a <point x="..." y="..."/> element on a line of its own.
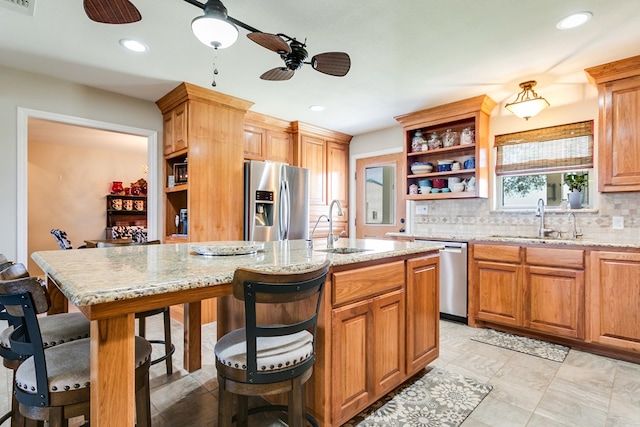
<point x="535" y="164"/>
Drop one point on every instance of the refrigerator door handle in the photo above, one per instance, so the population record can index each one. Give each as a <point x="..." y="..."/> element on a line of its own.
<point x="285" y="210"/>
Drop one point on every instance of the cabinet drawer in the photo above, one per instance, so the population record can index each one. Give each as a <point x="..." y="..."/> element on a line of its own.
<point x="502" y="253"/>
<point x="360" y="283"/>
<point x="552" y="257"/>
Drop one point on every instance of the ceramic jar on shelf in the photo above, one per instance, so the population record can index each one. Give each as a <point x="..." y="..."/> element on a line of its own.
<point x="418" y="143"/>
<point x="450" y="138"/>
<point x="434" y="141"/>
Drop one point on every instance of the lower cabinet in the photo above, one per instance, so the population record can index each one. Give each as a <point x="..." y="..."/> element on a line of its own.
<point x="614" y="299"/>
<point x="538" y="288"/>
<point x="368" y="355"/>
<point x="384" y="328"/>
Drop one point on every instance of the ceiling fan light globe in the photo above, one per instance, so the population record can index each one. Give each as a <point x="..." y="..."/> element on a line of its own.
<point x="214" y="32"/>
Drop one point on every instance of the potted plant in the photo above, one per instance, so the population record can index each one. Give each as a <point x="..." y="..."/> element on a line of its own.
<point x="576" y="182"/>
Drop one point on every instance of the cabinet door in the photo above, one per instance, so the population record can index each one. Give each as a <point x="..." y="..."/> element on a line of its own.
<point x="338" y="172"/>
<point x="351" y="359"/>
<point x="254" y="140"/>
<point x="423" y="312"/>
<point x="619" y="131"/>
<point x="388" y="341"/>
<point x="167" y="132"/>
<point x="313" y="158"/>
<point x="498" y="292"/>
<point x="554" y="300"/>
<point x="614" y="299"/>
<point x="180" y="127"/>
<point x="279" y="147"/>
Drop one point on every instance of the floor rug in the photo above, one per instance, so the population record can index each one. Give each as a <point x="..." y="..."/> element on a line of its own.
<point x="439" y="398"/>
<point x="530" y="346"/>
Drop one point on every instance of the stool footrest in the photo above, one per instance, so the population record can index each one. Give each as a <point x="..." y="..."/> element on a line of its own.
<point x="282" y="408"/>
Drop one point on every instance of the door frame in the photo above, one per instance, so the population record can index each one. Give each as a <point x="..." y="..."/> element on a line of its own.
<point x="380" y="231"/>
<point x="22" y="208"/>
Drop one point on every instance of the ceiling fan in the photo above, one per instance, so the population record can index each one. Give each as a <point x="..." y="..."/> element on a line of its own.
<point x="292" y="51"/>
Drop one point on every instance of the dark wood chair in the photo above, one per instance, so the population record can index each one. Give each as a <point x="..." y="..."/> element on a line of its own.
<point x="55" y="329"/>
<point x="53" y="384"/>
<point x="275" y="352"/>
<point x="169" y="348"/>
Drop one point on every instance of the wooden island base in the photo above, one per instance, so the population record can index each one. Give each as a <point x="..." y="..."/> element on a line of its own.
<point x="378" y="327"/>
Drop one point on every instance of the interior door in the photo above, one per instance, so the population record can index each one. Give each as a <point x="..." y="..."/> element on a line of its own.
<point x="380" y="208"/>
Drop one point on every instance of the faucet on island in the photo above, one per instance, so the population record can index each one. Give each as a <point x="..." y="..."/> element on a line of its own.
<point x="330" y="238"/>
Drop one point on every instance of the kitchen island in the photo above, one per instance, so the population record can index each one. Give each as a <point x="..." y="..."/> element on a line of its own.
<point x="109" y="285"/>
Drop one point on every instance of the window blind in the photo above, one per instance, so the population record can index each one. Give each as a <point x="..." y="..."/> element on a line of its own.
<point x="555" y="148"/>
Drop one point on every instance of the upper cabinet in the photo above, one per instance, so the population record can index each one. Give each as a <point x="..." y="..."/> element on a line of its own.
<point x="451" y="142"/>
<point x="618" y="86"/>
<point x="267" y="138"/>
<point x="204" y="133"/>
<point x="326" y="154"/>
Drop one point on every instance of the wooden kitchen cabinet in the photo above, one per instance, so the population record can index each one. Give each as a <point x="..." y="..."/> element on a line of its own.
<point x="267" y="138"/>
<point x="540" y="289"/>
<point x="212" y="125"/>
<point x="474" y="114"/>
<point x="175" y="129"/>
<point x="495" y="284"/>
<point x="423" y="312"/>
<point x="614" y="299"/>
<point x="618" y="86"/>
<point x="326" y="154"/>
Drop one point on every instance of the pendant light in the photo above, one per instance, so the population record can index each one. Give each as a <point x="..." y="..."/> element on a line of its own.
<point x="528" y="103"/>
<point x="213" y="29"/>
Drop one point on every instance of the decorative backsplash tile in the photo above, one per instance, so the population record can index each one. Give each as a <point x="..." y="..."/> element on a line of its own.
<point x="475" y="217"/>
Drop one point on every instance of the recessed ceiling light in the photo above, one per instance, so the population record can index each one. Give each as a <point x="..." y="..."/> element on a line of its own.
<point x="133" y="45"/>
<point x="316" y="108"/>
<point x="573" y="21"/>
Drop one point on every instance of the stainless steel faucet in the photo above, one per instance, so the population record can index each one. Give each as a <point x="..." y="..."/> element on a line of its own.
<point x="330" y="238"/>
<point x="575" y="234"/>
<point x="542" y="232"/>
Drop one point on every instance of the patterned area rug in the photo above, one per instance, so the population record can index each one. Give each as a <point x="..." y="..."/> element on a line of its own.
<point x="531" y="346"/>
<point x="439" y="398"/>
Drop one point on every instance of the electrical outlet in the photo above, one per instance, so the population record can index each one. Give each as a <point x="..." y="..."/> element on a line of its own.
<point x="617" y="222"/>
<point x="422" y="209"/>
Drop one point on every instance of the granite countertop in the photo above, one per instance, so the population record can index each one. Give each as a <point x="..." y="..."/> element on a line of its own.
<point x="609" y="243"/>
<point x="94" y="276"/>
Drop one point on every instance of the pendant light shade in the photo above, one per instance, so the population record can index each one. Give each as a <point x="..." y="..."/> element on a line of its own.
<point x="528" y="103"/>
<point x="213" y="29"/>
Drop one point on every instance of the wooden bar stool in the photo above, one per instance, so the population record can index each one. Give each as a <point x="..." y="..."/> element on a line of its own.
<point x="275" y="352"/>
<point x="53" y="384"/>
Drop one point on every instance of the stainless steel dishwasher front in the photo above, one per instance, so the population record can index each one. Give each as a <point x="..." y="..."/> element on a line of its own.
<point x="453" y="280"/>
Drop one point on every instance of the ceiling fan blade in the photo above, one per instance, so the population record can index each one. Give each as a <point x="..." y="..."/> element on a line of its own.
<point x="277" y="74"/>
<point x="332" y="63"/>
<point x="112" y="11"/>
<point x="270" y="41"/>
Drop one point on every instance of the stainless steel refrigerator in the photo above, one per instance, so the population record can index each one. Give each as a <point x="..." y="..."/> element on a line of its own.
<point x="276" y="204"/>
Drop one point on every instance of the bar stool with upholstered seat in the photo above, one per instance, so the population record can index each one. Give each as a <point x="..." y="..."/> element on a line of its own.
<point x="53" y="384"/>
<point x="55" y="329"/>
<point x="169" y="348"/>
<point x="275" y="352"/>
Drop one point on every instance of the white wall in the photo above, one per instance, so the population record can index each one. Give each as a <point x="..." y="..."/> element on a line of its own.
<point x="21" y="89"/>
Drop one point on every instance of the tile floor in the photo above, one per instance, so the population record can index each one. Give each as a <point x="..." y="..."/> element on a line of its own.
<point x="585" y="390"/>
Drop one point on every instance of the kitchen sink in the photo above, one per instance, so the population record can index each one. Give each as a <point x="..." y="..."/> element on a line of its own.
<point x="343" y="251"/>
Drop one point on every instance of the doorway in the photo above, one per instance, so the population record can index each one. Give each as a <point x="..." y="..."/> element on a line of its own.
<point x="26" y="120"/>
<point x="380" y="208"/>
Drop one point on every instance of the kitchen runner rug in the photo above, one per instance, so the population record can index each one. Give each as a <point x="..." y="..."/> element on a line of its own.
<point x="530" y="346"/>
<point x="439" y="398"/>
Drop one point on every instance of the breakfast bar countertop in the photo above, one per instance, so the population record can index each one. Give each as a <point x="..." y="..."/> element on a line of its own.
<point x="97" y="276"/>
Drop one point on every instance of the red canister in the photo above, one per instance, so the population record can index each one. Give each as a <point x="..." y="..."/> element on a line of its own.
<point x="440" y="183"/>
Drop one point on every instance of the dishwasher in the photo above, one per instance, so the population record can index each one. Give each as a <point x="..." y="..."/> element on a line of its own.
<point x="453" y="280"/>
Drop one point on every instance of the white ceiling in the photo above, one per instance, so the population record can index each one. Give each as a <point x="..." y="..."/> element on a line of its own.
<point x="406" y="55"/>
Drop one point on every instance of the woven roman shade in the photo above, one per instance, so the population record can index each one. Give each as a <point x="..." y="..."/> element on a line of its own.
<point x="551" y="149"/>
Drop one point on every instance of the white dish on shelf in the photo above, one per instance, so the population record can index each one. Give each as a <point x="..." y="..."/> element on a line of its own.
<point x="227" y="248"/>
<point x="421" y="169"/>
